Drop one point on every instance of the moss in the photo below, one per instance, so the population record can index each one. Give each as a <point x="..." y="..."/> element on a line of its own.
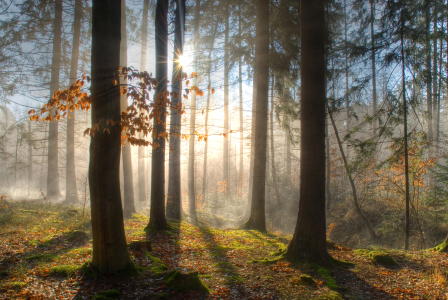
<point x="443" y="247"/>
<point x="329" y="296"/>
<point x="64" y="270"/>
<point x="306" y="280"/>
<point x="163" y="296"/>
<point x="341" y="263"/>
<point x="280" y="251"/>
<point x="17" y="285"/>
<point x="383" y="258"/>
<point x="106" y="295"/>
<point x="330" y="282"/>
<point x="185" y="282"/>
<point x="80" y="251"/>
<point x="158" y="267"/>
<point x="43" y="257"/>
<point x="33" y="242"/>
<point x="88" y="271"/>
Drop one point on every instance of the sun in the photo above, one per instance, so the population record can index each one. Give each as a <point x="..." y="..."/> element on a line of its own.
<point x="184" y="60"/>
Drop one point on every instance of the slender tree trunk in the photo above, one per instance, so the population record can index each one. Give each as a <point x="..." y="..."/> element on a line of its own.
<point x="109" y="242"/>
<point x="128" y="204"/>
<point x="174" y="201"/>
<point x="30" y="158"/>
<point x="372" y="44"/>
<point x="191" y="177"/>
<point x="352" y="182"/>
<point x="204" y="168"/>
<point x="405" y="121"/>
<point x="157" y="219"/>
<point x="53" y="190"/>
<point x="141" y="149"/>
<point x="327" y="164"/>
<point x="252" y="143"/>
<point x="428" y="70"/>
<point x="71" y="194"/>
<point x="435" y="92"/>
<point x="225" y="158"/>
<point x="240" y="84"/>
<point x="273" y="171"/>
<point x="257" y="217"/>
<point x="309" y="239"/>
<point x="347" y="98"/>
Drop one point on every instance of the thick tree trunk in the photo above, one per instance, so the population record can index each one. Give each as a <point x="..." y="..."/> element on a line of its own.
<point x="191" y="177"/>
<point x="309" y="239"/>
<point x="71" y="194"/>
<point x="257" y="219"/>
<point x="141" y="149"/>
<point x="53" y="190"/>
<point x="109" y="242"/>
<point x="327" y="165"/>
<point x="174" y="201"/>
<point x="128" y="203"/>
<point x="157" y="219"/>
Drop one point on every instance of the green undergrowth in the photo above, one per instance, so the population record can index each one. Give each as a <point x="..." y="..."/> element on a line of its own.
<point x="329" y="281"/>
<point x="64" y="270"/>
<point x="158" y="267"/>
<point x="332" y="295"/>
<point x="185" y="282"/>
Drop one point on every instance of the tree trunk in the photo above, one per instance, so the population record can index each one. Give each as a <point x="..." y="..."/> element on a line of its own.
<point x="71" y="194"/>
<point x="372" y="44"/>
<point x="435" y="92"/>
<point x="428" y="70"/>
<point x="252" y="144"/>
<point x="347" y="99"/>
<point x="273" y="171"/>
<point x="30" y="158"/>
<point x="109" y="242"/>
<point x="405" y="121"/>
<point x="352" y="182"/>
<point x="53" y="190"/>
<point x="328" y="164"/>
<point x="257" y="219"/>
<point x="141" y="149"/>
<point x="191" y="177"/>
<point x="309" y="239"/>
<point x="225" y="157"/>
<point x="240" y="84"/>
<point x="174" y="201"/>
<point x="157" y="219"/>
<point x="128" y="203"/>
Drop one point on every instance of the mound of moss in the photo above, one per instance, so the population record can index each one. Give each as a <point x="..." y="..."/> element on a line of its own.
<point x="383" y="258"/>
<point x="329" y="296"/>
<point x="17" y="285"/>
<point x="443" y="247"/>
<point x="158" y="267"/>
<point x="185" y="282"/>
<point x="106" y="295"/>
<point x="63" y="270"/>
<point x="330" y="282"/>
<point x="78" y="236"/>
<point x="306" y="280"/>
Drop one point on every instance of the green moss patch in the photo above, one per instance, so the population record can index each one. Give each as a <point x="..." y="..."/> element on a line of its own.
<point x="106" y="295"/>
<point x="158" y="266"/>
<point x="185" y="282"/>
<point x="43" y="257"/>
<point x="88" y="271"/>
<point x="330" y="282"/>
<point x="17" y="285"/>
<point x="306" y="280"/>
<point x="383" y="258"/>
<point x="64" y="270"/>
<point x="78" y="236"/>
<point x="443" y="247"/>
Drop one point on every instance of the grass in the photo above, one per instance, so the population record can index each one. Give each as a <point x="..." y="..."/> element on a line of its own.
<point x="64" y="270"/>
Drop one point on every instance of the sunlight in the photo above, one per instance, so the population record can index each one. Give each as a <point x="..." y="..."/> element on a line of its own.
<point x="184" y="60"/>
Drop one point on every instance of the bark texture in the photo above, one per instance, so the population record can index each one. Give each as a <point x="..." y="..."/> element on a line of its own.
<point x="109" y="242"/>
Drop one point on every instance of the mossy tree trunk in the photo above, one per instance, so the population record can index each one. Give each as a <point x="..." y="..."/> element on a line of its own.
<point x="109" y="242"/>
<point x="309" y="239"/>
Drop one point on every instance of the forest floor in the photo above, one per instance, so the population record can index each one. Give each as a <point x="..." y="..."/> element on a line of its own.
<point x="42" y="249"/>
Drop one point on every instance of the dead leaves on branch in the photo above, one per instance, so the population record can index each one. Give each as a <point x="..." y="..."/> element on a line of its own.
<point x="137" y="121"/>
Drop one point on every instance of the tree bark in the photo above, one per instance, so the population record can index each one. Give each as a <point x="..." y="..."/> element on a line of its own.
<point x="428" y="70"/>
<point x="53" y="190"/>
<point x="225" y="157"/>
<point x="141" y="149"/>
<point x="109" y="242"/>
<point x="157" y="219"/>
<point x="191" y="177"/>
<point x="372" y="44"/>
<point x="257" y="219"/>
<point x="71" y="194"/>
<point x="128" y="176"/>
<point x="174" y="201"/>
<point x="240" y="84"/>
<point x="309" y="239"/>
<point x="273" y="171"/>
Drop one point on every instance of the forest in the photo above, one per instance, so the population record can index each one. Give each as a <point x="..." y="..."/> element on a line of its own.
<point x="210" y="149"/>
